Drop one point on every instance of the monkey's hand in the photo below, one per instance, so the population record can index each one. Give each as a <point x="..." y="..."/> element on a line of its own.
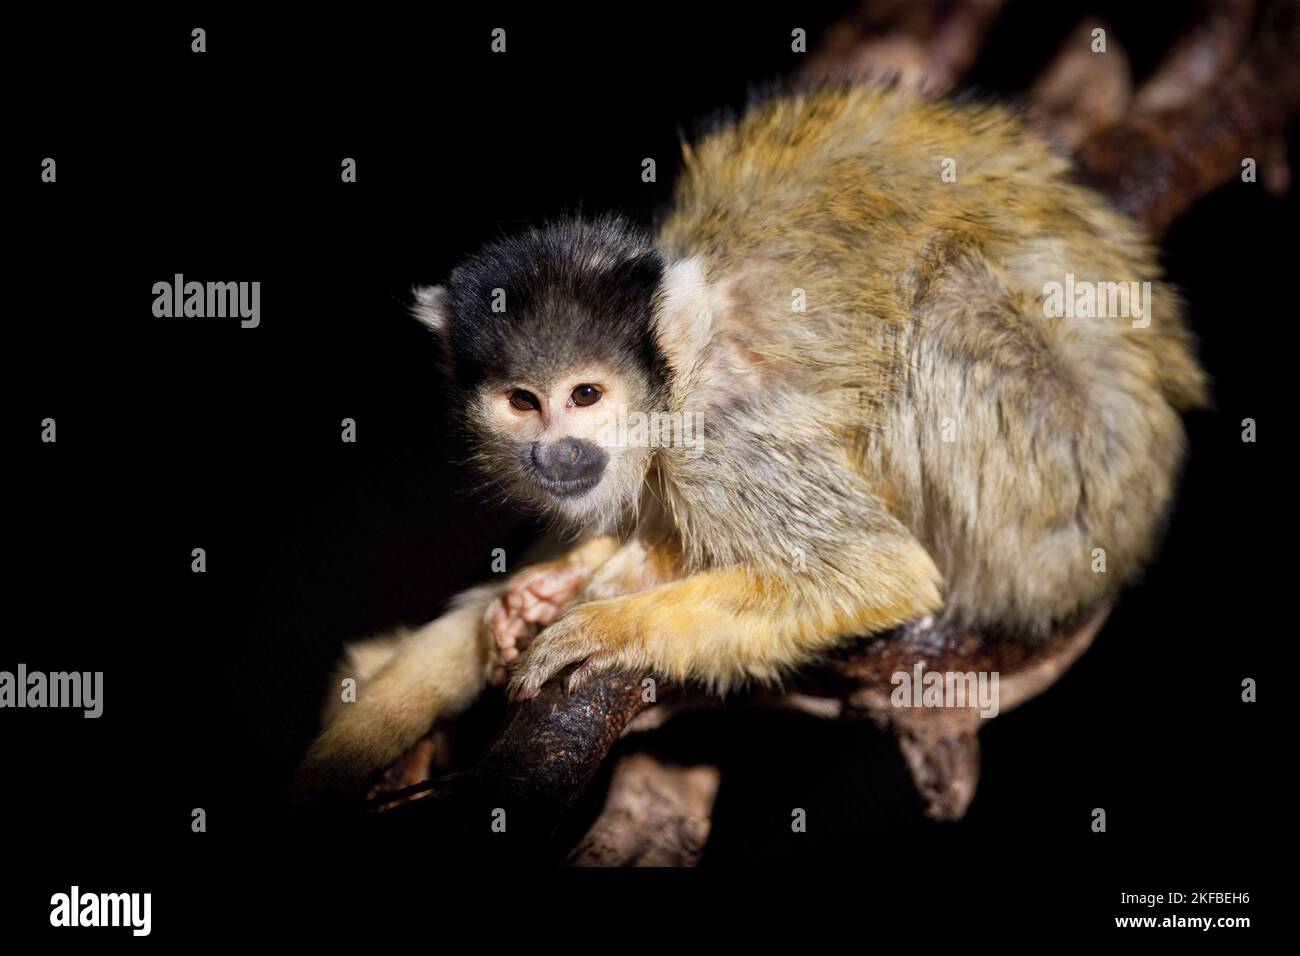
<point x="578" y="636"/>
<point x="534" y="597"/>
<point x="537" y="596"/>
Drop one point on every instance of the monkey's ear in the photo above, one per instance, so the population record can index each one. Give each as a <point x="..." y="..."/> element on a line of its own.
<point x="683" y="318"/>
<point x="431" y="307"/>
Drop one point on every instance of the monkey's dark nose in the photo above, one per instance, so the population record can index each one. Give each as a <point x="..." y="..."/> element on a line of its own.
<point x="569" y="465"/>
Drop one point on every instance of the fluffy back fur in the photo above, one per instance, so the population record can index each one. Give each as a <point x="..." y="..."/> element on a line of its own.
<point x="1011" y="444"/>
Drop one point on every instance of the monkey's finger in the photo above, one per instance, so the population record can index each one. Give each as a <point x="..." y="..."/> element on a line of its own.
<point x="542" y="612"/>
<point x="584" y="672"/>
<point x="523" y="687"/>
<point x="530" y="676"/>
<point x="497" y="618"/>
<point x="526" y="600"/>
<point x="559" y="585"/>
<point x="507" y="629"/>
<point x="516" y="597"/>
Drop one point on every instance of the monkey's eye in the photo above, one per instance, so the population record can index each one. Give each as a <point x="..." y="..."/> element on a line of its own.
<point x="585" y="395"/>
<point x="524" y="401"/>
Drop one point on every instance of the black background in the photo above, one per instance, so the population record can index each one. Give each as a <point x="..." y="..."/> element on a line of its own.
<point x="176" y="434"/>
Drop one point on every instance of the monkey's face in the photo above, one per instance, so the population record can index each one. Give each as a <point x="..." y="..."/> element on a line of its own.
<point x="561" y="441"/>
<point x="551" y="345"/>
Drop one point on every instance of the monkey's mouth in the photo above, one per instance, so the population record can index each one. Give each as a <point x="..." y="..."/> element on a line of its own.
<point x="571" y="488"/>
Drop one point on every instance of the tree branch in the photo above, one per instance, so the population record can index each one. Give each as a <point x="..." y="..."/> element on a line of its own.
<point x="1209" y="107"/>
<point x="926" y="45"/>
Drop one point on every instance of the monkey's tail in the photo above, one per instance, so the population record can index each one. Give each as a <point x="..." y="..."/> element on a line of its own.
<point x="404" y="682"/>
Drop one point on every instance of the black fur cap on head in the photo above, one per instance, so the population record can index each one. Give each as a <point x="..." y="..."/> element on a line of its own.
<point x="575" y="291"/>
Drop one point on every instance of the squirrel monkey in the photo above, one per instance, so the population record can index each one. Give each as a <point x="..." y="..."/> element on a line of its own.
<point x="862" y="410"/>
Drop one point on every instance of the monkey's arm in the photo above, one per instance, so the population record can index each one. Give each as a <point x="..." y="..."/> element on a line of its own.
<point x="729" y="626"/>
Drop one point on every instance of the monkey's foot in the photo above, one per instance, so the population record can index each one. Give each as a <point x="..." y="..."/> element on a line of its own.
<point x="535" y="598"/>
